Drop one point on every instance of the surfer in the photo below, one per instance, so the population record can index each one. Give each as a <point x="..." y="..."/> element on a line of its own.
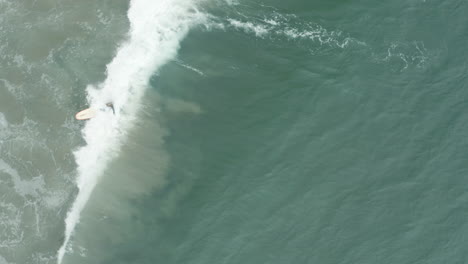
<point x="111" y="106"/>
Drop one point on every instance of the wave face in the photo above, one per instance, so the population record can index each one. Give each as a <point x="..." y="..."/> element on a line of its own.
<point x="156" y="29"/>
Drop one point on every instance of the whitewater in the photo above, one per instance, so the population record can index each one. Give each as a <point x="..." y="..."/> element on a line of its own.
<point x="156" y="30"/>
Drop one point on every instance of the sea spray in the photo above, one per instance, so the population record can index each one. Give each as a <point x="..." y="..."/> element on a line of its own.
<point x="156" y="29"/>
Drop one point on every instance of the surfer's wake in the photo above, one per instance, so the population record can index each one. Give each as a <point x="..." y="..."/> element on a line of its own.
<point x="156" y="29"/>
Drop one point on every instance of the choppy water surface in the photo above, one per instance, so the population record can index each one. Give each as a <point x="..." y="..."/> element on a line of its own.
<point x="244" y="131"/>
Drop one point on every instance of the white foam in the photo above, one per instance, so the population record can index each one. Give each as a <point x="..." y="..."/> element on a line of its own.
<point x="232" y="2"/>
<point x="292" y="28"/>
<point x="23" y="187"/>
<point x="181" y="63"/>
<point x="3" y="121"/>
<point x="10" y="224"/>
<point x="156" y="29"/>
<point x="259" y="29"/>
<point x="271" y="22"/>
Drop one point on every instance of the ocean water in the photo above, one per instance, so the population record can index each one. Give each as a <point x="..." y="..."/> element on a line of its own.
<point x="244" y="131"/>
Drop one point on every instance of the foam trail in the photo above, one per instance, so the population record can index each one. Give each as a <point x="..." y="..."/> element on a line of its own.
<point x="156" y="29"/>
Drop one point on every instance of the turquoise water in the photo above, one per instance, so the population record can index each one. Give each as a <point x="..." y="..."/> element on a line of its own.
<point x="245" y="131"/>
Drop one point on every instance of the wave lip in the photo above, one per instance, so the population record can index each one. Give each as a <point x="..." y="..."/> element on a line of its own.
<point x="156" y="29"/>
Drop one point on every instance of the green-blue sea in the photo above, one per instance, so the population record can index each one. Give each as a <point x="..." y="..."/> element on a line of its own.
<point x="240" y="132"/>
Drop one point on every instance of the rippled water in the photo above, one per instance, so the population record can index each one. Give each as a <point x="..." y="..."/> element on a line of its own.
<point x="244" y="131"/>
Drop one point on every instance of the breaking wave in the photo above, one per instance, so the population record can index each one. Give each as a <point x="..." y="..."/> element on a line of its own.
<point x="156" y="29"/>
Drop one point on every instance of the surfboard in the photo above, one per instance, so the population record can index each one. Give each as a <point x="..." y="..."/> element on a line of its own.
<point x="85" y="114"/>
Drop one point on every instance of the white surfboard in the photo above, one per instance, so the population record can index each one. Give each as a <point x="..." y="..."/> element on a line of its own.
<point x="85" y="114"/>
